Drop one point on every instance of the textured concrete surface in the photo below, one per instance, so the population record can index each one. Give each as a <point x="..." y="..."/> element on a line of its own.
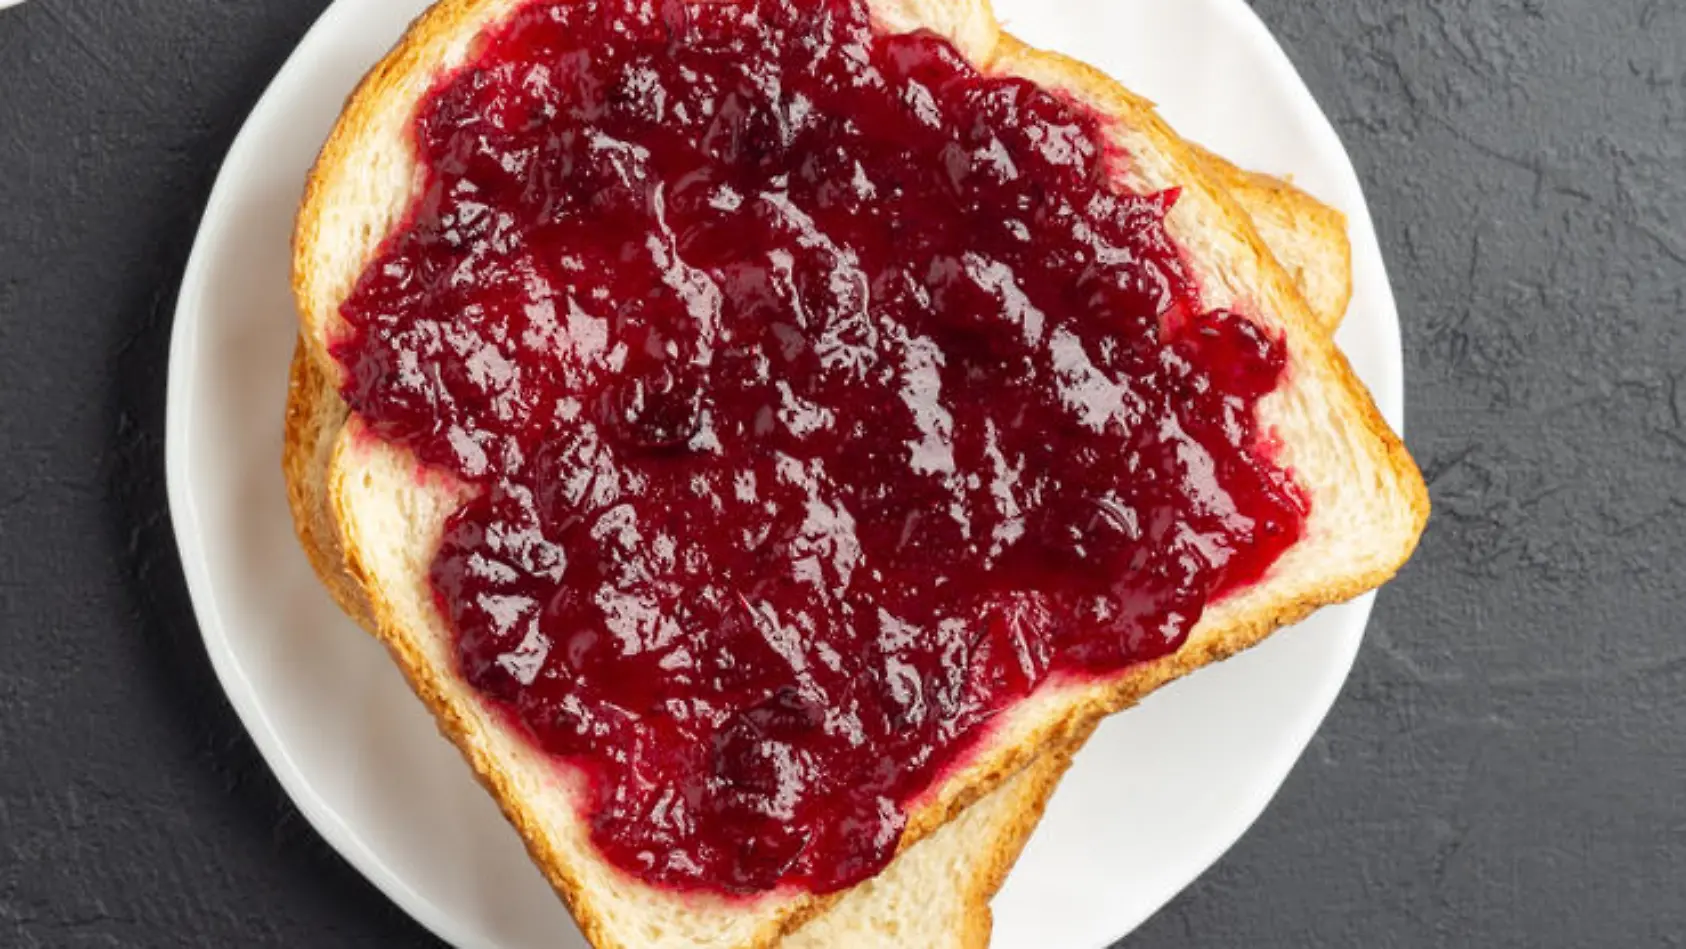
<point x="1506" y="768"/>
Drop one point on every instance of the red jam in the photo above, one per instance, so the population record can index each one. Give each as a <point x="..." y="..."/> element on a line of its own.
<point x="822" y="400"/>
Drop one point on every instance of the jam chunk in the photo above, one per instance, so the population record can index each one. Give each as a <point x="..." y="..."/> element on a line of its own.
<point x="822" y="399"/>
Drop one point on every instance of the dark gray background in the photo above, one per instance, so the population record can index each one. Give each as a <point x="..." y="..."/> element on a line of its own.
<point x="1507" y="766"/>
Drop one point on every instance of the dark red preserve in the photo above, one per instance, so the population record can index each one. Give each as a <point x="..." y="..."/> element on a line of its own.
<point x="822" y="399"/>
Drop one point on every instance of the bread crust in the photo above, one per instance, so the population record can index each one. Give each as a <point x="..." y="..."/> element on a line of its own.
<point x="1308" y="238"/>
<point x="439" y="39"/>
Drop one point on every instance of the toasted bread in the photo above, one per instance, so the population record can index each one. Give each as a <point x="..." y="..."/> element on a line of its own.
<point x="1367" y="500"/>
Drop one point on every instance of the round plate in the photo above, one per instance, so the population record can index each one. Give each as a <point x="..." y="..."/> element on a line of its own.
<point x="1154" y="799"/>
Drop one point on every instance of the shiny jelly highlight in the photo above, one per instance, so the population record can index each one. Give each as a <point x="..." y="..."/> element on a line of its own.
<point x="821" y="400"/>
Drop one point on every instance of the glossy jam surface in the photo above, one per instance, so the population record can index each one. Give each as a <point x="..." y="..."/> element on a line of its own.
<point x="822" y="400"/>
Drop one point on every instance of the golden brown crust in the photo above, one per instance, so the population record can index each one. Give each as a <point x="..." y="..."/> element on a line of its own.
<point x="1044" y="774"/>
<point x="421" y="50"/>
<point x="314" y="417"/>
<point x="377" y="98"/>
<point x="1283" y="214"/>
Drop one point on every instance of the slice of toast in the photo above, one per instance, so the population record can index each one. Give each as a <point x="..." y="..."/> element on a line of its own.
<point x="937" y="893"/>
<point x="1367" y="500"/>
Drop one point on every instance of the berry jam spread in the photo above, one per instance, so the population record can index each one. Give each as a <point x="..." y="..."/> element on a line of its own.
<point x="822" y="399"/>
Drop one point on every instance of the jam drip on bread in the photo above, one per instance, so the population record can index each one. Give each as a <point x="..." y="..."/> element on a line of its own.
<point x="821" y="399"/>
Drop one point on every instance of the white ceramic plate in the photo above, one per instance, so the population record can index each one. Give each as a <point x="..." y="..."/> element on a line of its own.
<point x="1158" y="794"/>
